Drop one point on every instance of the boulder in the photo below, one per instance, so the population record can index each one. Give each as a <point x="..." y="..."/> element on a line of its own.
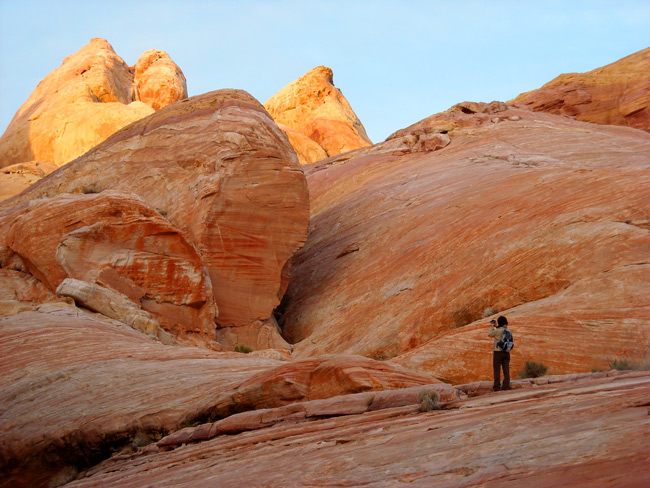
<point x="216" y="172"/>
<point x="312" y="106"/>
<point x="618" y="93"/>
<point x="21" y="291"/>
<point x="16" y="177"/>
<point x="315" y="378"/>
<point x="85" y="100"/>
<point x="157" y="80"/>
<point x="408" y="246"/>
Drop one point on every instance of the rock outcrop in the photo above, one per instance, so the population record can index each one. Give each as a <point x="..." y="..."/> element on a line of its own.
<point x="567" y="444"/>
<point x="618" y="94"/>
<point x="90" y="96"/>
<point x="17" y="177"/>
<point x="210" y="182"/>
<point x="315" y="110"/>
<point x="479" y="210"/>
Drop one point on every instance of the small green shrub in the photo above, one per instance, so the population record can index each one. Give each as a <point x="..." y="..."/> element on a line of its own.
<point x="242" y="348"/>
<point x="624" y="364"/>
<point x="429" y="400"/>
<point x="533" y="370"/>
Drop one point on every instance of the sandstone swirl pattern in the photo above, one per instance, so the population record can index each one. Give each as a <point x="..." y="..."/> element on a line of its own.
<point x="479" y="210"/>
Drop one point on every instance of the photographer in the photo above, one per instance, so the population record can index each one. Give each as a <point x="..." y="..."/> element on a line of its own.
<point x="500" y="358"/>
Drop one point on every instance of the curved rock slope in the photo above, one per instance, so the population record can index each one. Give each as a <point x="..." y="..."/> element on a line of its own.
<point x="556" y="436"/>
<point x="201" y="203"/>
<point x="90" y="96"/>
<point x="480" y="210"/>
<point x="77" y="387"/>
<point x="618" y="94"/>
<point x="316" y="117"/>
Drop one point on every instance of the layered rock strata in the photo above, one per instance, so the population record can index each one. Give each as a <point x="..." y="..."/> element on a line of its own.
<point x="618" y="93"/>
<point x="470" y="213"/>
<point x="90" y="96"/>
<point x="16" y="177"/>
<point x="317" y="117"/>
<point x="78" y="387"/>
<point x="207" y="204"/>
<point x="462" y="445"/>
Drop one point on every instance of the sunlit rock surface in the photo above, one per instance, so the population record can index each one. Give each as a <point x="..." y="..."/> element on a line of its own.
<point x="618" y="93"/>
<point x="313" y="107"/>
<point x="469" y="213"/>
<point x="89" y="97"/>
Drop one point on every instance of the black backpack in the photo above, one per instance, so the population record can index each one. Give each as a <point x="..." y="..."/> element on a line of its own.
<point x="507" y="342"/>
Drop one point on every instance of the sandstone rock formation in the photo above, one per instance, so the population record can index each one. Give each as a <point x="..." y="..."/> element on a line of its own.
<point x="567" y="444"/>
<point x="478" y="210"/>
<point x="618" y="93"/>
<point x="89" y="97"/>
<point x="75" y="386"/>
<point x="209" y="183"/>
<point x="157" y="81"/>
<point x="17" y="177"/>
<point x="314" y="109"/>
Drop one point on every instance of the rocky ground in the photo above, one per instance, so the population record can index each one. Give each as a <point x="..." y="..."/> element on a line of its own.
<point x="592" y="430"/>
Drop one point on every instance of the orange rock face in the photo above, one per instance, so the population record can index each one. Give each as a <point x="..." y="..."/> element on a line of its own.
<point x="618" y="94"/>
<point x="88" y="98"/>
<point x="476" y="211"/>
<point x="157" y="80"/>
<point x="313" y="107"/>
<point x="216" y="171"/>
<point x="117" y="241"/>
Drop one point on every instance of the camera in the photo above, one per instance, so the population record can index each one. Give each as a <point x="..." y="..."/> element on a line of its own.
<point x="493" y="322"/>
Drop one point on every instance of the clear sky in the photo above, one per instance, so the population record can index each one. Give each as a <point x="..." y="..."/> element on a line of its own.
<point x="395" y="61"/>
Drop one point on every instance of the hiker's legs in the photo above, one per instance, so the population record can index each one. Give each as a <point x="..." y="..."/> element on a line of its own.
<point x="496" y="367"/>
<point x="506" y="371"/>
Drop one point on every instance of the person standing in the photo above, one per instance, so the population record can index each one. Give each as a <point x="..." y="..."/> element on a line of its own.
<point x="500" y="358"/>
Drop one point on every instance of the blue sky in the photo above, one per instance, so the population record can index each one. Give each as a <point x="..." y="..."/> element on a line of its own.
<point x="395" y="61"/>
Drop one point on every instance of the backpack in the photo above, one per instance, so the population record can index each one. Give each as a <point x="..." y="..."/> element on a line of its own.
<point x="507" y="342"/>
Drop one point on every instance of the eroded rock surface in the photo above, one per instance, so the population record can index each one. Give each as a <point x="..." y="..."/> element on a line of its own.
<point x="476" y="211"/>
<point x="75" y="386"/>
<point x="313" y="108"/>
<point x="16" y="177"/>
<point x="218" y="182"/>
<point x="618" y="93"/>
<point x="463" y="445"/>
<point x="88" y="98"/>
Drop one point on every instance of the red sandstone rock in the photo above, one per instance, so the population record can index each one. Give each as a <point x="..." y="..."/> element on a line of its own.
<point x="115" y="240"/>
<point x="221" y="172"/>
<point x="567" y="444"/>
<point x="21" y="291"/>
<point x="17" y="177"/>
<point x="76" y="385"/>
<point x="313" y="107"/>
<point x="581" y="328"/>
<point x="408" y="246"/>
<point x="618" y="93"/>
<point x="85" y="100"/>
<point x="158" y="81"/>
<point x="315" y="378"/>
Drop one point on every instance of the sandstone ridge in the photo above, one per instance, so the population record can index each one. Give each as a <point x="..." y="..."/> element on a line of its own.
<point x="618" y="93"/>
